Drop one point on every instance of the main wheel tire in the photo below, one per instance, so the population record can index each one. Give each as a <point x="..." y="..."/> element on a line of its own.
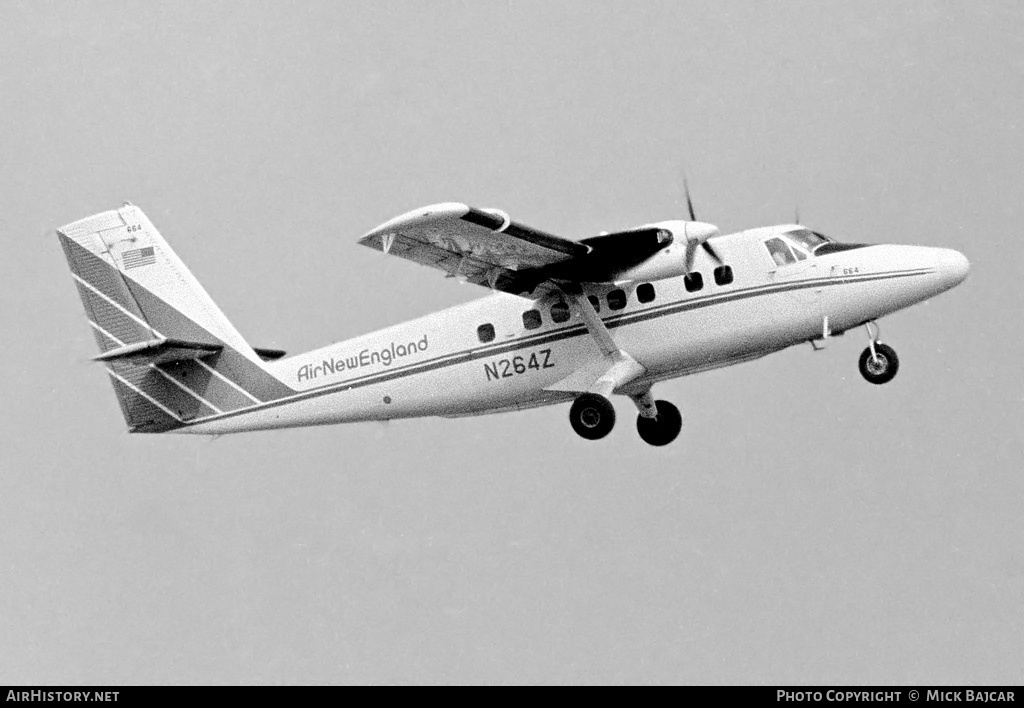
<point x="663" y="429"/>
<point x="882" y="368"/>
<point x="592" y="416"/>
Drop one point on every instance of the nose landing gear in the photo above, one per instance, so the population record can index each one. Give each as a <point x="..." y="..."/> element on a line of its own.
<point x="878" y="363"/>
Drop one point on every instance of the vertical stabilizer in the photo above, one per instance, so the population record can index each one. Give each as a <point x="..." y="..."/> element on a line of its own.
<point x="182" y="359"/>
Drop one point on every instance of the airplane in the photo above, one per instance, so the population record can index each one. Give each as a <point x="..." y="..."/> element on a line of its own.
<point x="568" y="321"/>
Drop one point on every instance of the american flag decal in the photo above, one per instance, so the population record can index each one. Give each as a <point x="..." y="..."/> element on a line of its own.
<point x="138" y="257"/>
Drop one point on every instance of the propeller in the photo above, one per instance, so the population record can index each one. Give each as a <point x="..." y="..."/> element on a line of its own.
<point x="691" y="246"/>
<point x="689" y="202"/>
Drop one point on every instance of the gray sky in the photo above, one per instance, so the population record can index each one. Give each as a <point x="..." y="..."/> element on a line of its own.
<point x="807" y="527"/>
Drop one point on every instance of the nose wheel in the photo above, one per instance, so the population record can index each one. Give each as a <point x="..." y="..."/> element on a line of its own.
<point x="879" y="366"/>
<point x="878" y="363"/>
<point x="592" y="416"/>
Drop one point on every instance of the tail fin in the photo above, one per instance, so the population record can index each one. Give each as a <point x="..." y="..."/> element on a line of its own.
<point x="172" y="355"/>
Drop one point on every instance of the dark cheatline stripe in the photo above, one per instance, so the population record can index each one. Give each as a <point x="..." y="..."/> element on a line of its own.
<point x="166" y="393"/>
<point x="611" y="322"/>
<point x="210" y="387"/>
<point x="453" y="359"/>
<point x="142" y="416"/>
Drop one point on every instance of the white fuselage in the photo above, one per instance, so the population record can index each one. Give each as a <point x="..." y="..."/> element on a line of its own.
<point x="437" y="365"/>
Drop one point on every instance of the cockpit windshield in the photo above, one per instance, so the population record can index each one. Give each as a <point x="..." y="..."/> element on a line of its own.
<point x="796" y="245"/>
<point x="810" y="240"/>
<point x="801" y="244"/>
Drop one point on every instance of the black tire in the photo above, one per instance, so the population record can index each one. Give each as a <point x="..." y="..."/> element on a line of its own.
<point x="663" y="429"/>
<point x="881" y="370"/>
<point x="592" y="416"/>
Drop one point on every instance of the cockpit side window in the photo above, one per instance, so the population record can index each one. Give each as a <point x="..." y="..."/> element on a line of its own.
<point x="780" y="251"/>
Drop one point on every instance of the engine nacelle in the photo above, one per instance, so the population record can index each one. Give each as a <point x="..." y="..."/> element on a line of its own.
<point x="651" y="252"/>
<point x="669" y="262"/>
<point x="675" y="259"/>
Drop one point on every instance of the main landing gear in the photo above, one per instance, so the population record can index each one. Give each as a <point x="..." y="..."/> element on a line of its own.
<point x="663" y="428"/>
<point x="593" y="417"/>
<point x="878" y="363"/>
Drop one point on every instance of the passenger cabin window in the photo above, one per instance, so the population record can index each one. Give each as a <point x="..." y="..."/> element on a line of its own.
<point x="616" y="299"/>
<point x="560" y="311"/>
<point x="694" y="281"/>
<point x="532" y="319"/>
<point x="723" y="275"/>
<point x="780" y="251"/>
<point x="485" y="332"/>
<point x="595" y="301"/>
<point x="645" y="292"/>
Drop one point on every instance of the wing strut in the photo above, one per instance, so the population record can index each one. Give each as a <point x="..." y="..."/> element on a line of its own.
<point x="615" y="368"/>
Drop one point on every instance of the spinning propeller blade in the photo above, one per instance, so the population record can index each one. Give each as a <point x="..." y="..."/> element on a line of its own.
<point x="712" y="252"/>
<point x="689" y="202"/>
<point x="691" y="247"/>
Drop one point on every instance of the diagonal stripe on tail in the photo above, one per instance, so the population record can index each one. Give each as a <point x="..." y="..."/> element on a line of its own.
<point x="108" y="253"/>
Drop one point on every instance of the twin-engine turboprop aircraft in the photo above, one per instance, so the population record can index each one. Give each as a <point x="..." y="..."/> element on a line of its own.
<point x="569" y="321"/>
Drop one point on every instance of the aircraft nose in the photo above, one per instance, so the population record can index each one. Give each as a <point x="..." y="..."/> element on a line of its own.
<point x="953" y="266"/>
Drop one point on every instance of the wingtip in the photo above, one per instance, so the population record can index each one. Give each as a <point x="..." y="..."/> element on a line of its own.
<point x="431" y="211"/>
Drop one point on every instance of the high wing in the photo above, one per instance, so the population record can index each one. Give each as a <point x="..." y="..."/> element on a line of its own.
<point x="483" y="247"/>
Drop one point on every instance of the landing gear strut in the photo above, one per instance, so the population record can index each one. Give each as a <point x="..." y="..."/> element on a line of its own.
<point x="592" y="416"/>
<point x="659" y="422"/>
<point x="878" y="363"/>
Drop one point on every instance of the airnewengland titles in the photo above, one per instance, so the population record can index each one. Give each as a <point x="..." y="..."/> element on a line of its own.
<point x="385" y="356"/>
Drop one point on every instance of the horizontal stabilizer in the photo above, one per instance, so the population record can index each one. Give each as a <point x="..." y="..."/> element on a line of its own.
<point x="159" y="351"/>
